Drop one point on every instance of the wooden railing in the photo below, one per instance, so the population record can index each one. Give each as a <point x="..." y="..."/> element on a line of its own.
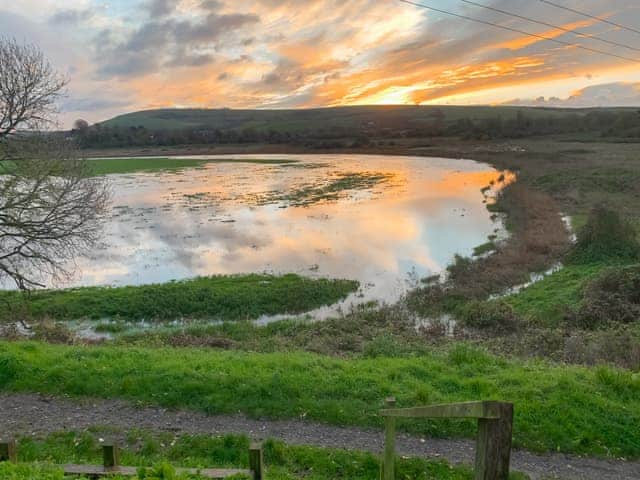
<point x="493" y="443"/>
<point x="111" y="464"/>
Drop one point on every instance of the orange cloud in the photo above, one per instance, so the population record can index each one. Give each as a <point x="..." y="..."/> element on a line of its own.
<point x="525" y="40"/>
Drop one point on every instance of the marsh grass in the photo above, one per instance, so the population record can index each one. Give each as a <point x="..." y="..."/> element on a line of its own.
<point x="231" y="297"/>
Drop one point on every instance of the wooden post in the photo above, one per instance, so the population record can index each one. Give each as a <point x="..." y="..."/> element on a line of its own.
<point x="493" y="445"/>
<point x="110" y="456"/>
<point x="256" y="461"/>
<point x="8" y="452"/>
<point x="389" y="458"/>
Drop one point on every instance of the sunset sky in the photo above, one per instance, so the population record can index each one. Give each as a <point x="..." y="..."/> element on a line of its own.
<point x="124" y="55"/>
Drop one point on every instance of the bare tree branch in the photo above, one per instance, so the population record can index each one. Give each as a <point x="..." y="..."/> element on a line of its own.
<point x="29" y="87"/>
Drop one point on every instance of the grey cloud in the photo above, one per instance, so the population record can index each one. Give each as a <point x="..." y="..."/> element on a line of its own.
<point x="161" y="8"/>
<point x="190" y="60"/>
<point x="211" y="5"/>
<point x="165" y="42"/>
<point x="88" y="104"/>
<point x="70" y="17"/>
<point x="211" y="28"/>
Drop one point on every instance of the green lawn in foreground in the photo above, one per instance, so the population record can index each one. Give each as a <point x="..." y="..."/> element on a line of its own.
<point x="219" y="297"/>
<point x="282" y="462"/>
<point x="557" y="407"/>
<point x="105" y="166"/>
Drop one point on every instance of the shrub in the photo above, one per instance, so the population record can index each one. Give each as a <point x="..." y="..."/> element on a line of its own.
<point x="605" y="237"/>
<point x="612" y="297"/>
<point x="491" y="315"/>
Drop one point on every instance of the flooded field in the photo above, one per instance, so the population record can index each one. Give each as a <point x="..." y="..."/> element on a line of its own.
<point x="384" y="221"/>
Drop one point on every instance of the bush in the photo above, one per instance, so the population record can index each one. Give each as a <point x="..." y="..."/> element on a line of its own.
<point x="605" y="237"/>
<point x="613" y="297"/>
<point x="491" y="315"/>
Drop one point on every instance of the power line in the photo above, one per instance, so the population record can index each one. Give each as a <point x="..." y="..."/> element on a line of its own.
<point x="588" y="15"/>
<point x="522" y="32"/>
<point x="557" y="27"/>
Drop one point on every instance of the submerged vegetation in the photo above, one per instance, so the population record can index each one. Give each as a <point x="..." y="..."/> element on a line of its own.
<point x="232" y="297"/>
<point x="333" y="189"/>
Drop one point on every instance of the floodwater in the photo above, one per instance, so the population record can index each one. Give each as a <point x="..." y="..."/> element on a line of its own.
<point x="394" y="220"/>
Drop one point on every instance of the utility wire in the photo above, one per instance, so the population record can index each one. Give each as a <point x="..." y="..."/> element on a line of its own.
<point x="588" y="15"/>
<point x="557" y="27"/>
<point x="522" y="32"/>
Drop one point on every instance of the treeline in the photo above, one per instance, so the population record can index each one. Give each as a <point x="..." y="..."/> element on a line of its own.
<point x="616" y="124"/>
<point x="621" y="124"/>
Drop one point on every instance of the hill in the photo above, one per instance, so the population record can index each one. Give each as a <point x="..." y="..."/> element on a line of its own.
<point x="392" y="116"/>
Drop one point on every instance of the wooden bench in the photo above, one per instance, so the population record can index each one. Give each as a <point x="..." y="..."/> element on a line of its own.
<point x="493" y="443"/>
<point x="111" y="464"/>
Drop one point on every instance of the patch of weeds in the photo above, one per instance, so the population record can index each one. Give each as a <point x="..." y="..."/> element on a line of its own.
<point x="494" y="315"/>
<point x="612" y="297"/>
<point x="111" y="327"/>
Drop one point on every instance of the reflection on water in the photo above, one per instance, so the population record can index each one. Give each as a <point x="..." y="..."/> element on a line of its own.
<point x="175" y="225"/>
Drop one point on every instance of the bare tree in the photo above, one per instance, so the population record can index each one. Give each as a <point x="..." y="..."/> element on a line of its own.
<point x="50" y="206"/>
<point x="29" y="87"/>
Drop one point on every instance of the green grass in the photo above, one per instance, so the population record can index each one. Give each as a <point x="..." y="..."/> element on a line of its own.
<point x="231" y="297"/>
<point x="282" y="462"/>
<point x="546" y="301"/>
<point x="106" y="166"/>
<point x="557" y="407"/>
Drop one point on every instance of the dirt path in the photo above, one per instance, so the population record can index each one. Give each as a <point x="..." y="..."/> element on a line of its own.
<point x="32" y="414"/>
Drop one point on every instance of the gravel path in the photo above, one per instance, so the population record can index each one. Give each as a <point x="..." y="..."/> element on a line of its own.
<point x="32" y="414"/>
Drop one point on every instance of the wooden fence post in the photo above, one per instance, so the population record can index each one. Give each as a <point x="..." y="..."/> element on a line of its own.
<point x="389" y="459"/>
<point x="493" y="444"/>
<point x="8" y="451"/>
<point x="110" y="457"/>
<point x="256" y="461"/>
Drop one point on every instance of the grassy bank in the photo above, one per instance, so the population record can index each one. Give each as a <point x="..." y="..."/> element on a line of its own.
<point x="564" y="408"/>
<point x="283" y="462"/>
<point x="106" y="166"/>
<point x="219" y="297"/>
<point x="546" y="302"/>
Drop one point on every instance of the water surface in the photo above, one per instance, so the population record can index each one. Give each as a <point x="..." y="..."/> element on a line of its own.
<point x="231" y="217"/>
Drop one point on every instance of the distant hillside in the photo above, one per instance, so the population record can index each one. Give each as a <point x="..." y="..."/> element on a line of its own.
<point x="336" y="117"/>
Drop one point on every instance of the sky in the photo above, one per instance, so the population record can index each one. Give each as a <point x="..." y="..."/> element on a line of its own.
<point x="127" y="55"/>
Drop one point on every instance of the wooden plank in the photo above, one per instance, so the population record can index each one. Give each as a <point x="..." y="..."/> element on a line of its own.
<point x="487" y="409"/>
<point x="256" y="461"/>
<point x="389" y="460"/>
<point x="8" y="451"/>
<point x="110" y="456"/>
<point x="493" y="445"/>
<point x="100" y="471"/>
